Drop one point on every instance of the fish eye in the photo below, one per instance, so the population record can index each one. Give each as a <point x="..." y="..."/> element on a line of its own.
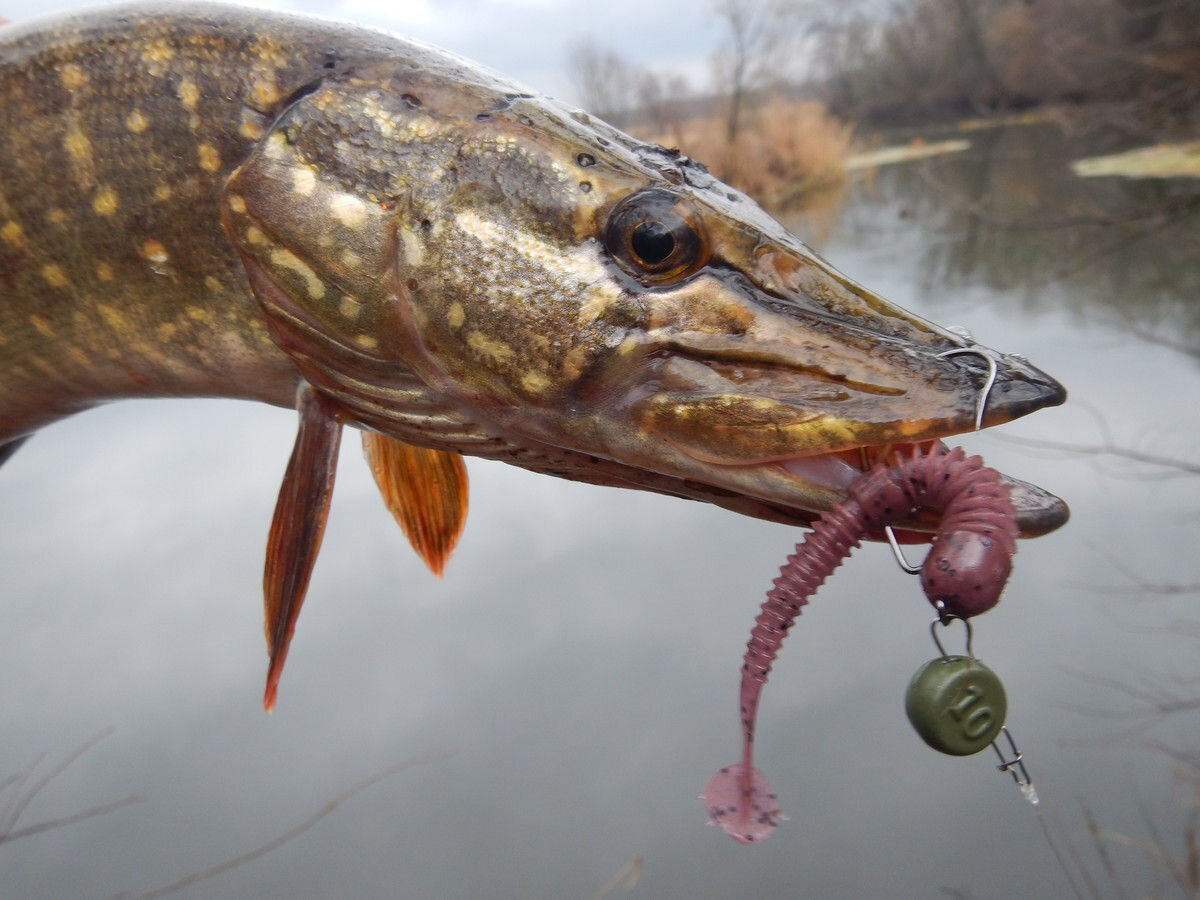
<point x="654" y="235"/>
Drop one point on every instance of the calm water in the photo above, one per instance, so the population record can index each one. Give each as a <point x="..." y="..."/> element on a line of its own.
<point x="579" y="662"/>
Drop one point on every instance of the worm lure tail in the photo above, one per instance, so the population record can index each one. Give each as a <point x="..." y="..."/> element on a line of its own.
<point x="963" y="575"/>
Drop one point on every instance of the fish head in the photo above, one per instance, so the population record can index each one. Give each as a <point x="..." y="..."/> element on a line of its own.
<point x="578" y="296"/>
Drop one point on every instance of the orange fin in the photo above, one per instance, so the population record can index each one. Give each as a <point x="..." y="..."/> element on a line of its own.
<point x="298" y="526"/>
<point x="426" y="491"/>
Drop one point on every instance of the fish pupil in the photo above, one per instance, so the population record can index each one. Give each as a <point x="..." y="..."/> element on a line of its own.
<point x="652" y="243"/>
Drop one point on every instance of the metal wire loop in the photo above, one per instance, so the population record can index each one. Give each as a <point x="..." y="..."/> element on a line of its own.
<point x="990" y="356"/>
<point x="945" y="622"/>
<point x="901" y="560"/>
<point x="1014" y="764"/>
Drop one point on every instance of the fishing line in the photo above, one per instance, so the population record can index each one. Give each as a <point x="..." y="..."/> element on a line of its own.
<point x="1014" y="761"/>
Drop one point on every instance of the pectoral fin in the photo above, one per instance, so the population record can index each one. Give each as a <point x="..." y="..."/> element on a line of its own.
<point x="298" y="526"/>
<point x="426" y="491"/>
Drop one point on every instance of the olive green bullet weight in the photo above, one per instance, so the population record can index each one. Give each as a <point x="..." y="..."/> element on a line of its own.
<point x="956" y="704"/>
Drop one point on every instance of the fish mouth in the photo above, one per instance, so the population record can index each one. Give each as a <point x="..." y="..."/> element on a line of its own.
<point x="788" y="440"/>
<point x="1010" y="388"/>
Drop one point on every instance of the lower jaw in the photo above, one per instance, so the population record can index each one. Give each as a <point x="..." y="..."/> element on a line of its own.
<point x="837" y="470"/>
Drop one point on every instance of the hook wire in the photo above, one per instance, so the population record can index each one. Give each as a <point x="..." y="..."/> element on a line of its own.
<point x="990" y="356"/>
<point x="1014" y="764"/>
<point x="901" y="560"/>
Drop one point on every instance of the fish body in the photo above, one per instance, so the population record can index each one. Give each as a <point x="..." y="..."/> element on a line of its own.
<point x="212" y="201"/>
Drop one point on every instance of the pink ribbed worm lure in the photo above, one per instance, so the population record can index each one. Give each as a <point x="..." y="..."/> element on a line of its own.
<point x="963" y="575"/>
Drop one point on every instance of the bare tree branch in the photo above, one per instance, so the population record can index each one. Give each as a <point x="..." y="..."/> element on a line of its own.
<point x="62" y="821"/>
<point x="20" y="799"/>
<point x="292" y="833"/>
<point x="1179" y="466"/>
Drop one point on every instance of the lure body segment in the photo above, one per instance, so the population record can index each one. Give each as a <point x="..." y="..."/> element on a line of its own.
<point x="963" y="575"/>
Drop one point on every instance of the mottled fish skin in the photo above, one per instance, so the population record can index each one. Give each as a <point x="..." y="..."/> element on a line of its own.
<point x="209" y="201"/>
<point x="117" y="132"/>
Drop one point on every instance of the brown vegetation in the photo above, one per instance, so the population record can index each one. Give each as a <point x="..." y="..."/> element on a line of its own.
<point x="751" y="130"/>
<point x="784" y="152"/>
<point x="938" y="59"/>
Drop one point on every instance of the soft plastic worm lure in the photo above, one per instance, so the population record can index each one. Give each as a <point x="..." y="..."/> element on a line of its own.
<point x="963" y="575"/>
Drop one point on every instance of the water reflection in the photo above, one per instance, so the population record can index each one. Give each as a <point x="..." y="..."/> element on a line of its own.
<point x="1009" y="214"/>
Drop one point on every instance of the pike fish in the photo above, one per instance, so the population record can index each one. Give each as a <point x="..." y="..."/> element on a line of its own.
<point x="204" y="200"/>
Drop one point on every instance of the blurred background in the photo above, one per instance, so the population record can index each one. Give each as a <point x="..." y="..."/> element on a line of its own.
<point x="1024" y="168"/>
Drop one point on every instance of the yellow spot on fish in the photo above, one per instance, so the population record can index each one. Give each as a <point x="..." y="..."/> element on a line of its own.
<point x="303" y="181"/>
<point x="263" y="93"/>
<point x="455" y="315"/>
<point x="251" y="130"/>
<point x="199" y="314"/>
<point x="366" y="341"/>
<point x="72" y="77"/>
<point x="113" y="317"/>
<point x="77" y="144"/>
<point x="104" y="271"/>
<point x="136" y="121"/>
<point x="42" y="324"/>
<point x="189" y="94"/>
<point x="166" y="331"/>
<point x="348" y="209"/>
<point x="210" y="159"/>
<point x="593" y="307"/>
<point x="496" y="350"/>
<point x="269" y="53"/>
<point x="350" y="259"/>
<point x="236" y="203"/>
<point x="104" y="201"/>
<point x="211" y="283"/>
<point x="158" y="51"/>
<point x="13" y="235"/>
<point x="54" y="276"/>
<point x="154" y="251"/>
<point x="78" y="357"/>
<point x="276" y="145"/>
<point x="254" y="236"/>
<point x="162" y="192"/>
<point x="350" y="308"/>
<point x="534" y="382"/>
<point x="286" y="259"/>
<point x="57" y="216"/>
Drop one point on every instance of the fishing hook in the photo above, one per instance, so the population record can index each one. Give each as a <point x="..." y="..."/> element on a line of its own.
<point x="990" y="356"/>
